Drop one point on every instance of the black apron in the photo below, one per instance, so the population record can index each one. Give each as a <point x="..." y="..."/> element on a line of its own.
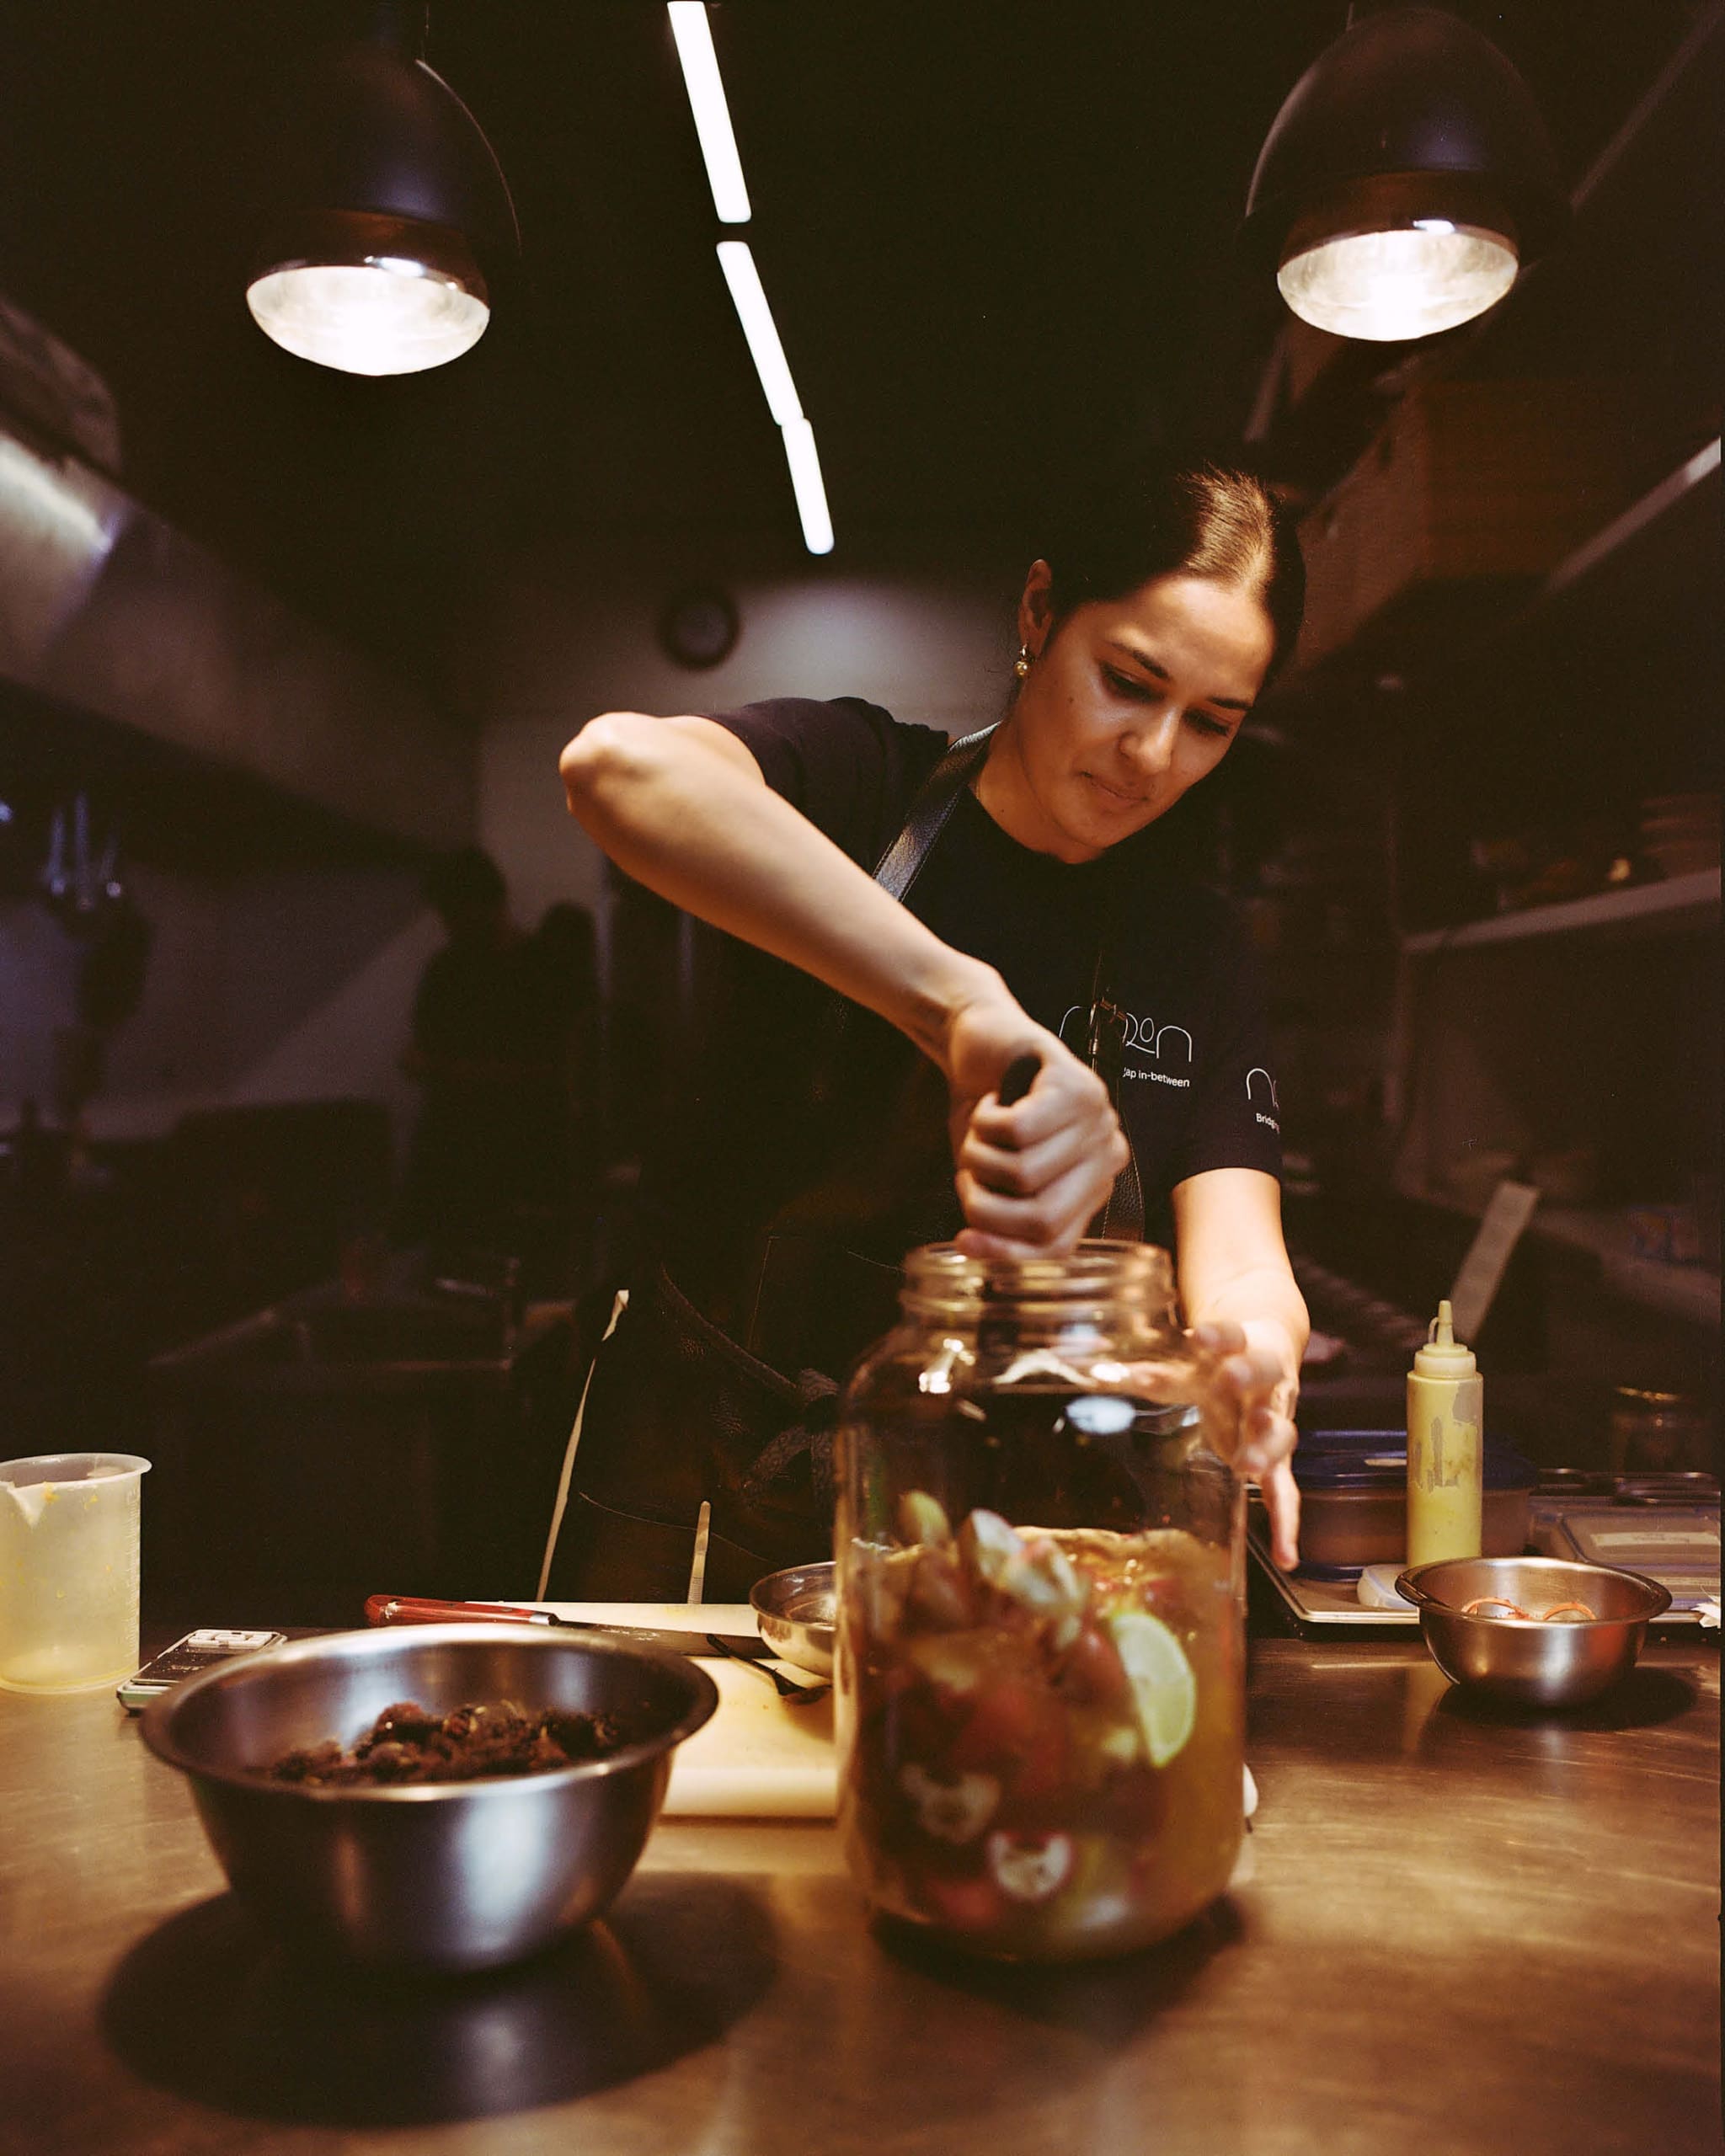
<point x="681" y="1412"/>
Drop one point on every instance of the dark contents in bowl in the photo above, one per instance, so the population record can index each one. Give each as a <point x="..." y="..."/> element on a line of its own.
<point x="408" y="1743"/>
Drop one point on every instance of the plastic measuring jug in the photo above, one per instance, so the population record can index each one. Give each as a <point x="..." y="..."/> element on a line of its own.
<point x="69" y="1570"/>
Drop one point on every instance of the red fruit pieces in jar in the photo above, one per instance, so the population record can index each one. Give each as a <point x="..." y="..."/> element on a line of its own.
<point x="940" y="1599"/>
<point x="1091" y="1672"/>
<point x="968" y="1905"/>
<point x="1016" y="1729"/>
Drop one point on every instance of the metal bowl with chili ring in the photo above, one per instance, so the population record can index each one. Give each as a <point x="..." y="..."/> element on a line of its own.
<point x="1536" y="1631"/>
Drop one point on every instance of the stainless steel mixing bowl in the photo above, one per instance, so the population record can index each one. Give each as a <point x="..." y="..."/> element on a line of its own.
<point x="795" y="1610"/>
<point x="1525" y="1660"/>
<point x="436" y="1875"/>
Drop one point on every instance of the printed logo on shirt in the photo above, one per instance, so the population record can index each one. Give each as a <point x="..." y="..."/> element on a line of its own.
<point x="1171" y="1043"/>
<point x="1267" y="1090"/>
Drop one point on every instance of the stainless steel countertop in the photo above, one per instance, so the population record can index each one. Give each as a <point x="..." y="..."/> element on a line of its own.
<point x="1464" y="1934"/>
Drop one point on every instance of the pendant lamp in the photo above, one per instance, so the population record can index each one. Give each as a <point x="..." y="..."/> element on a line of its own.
<point x="387" y="217"/>
<point x="1406" y="181"/>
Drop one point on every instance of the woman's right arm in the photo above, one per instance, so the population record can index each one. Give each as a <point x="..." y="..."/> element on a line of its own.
<point x="681" y="805"/>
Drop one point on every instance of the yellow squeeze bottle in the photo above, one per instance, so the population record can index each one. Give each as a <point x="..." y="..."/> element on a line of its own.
<point x="1445" y="1417"/>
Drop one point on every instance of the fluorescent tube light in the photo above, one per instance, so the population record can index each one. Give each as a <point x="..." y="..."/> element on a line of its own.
<point x="738" y="263"/>
<point x="805" y="478"/>
<point x="693" y="32"/>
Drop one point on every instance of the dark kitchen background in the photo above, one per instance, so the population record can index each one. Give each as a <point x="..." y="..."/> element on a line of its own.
<point x="273" y="638"/>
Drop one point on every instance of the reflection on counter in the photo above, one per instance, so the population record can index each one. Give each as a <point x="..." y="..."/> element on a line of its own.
<point x="207" y="2006"/>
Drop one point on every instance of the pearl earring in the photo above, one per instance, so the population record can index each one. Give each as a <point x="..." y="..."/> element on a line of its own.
<point x="1021" y="665"/>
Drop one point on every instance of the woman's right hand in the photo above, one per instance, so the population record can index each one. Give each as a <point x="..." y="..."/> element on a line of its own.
<point x="1031" y="1177"/>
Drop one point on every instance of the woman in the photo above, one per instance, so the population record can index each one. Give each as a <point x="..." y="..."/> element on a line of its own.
<point x="1035" y="916"/>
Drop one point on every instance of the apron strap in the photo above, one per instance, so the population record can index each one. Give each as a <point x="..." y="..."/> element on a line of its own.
<point x="1121" y="1220"/>
<point x="929" y="813"/>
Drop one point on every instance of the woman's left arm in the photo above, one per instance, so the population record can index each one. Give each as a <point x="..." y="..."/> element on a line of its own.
<point x="1239" y="1295"/>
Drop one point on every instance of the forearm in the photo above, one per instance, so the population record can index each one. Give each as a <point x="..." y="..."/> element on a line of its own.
<point x="1239" y="1292"/>
<point x="681" y="805"/>
<point x="685" y="820"/>
<point x="1234" y="1268"/>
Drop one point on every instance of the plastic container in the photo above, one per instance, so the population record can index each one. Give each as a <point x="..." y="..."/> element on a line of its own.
<point x="1445" y="1417"/>
<point x="69" y="1570"/>
<point x="1040" y="1570"/>
<point x="1354" y="1501"/>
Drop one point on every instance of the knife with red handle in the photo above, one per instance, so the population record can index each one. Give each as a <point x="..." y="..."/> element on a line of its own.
<point x="420" y="1610"/>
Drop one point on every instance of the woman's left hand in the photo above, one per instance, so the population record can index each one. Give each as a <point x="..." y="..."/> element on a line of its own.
<point x="1252" y="1383"/>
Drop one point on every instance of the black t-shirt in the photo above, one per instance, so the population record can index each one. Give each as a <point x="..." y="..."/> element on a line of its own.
<point x="843" y="1120"/>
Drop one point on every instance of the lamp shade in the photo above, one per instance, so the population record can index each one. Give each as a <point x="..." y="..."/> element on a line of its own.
<point x="1406" y="179"/>
<point x="386" y="217"/>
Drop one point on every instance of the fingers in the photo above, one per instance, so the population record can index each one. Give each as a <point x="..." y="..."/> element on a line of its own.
<point x="1031" y="1176"/>
<point x="1047" y="1223"/>
<point x="1023" y="1174"/>
<point x="1265" y="1448"/>
<point x="1252" y="1374"/>
<point x="1281" y="1498"/>
<point x="1063" y="1096"/>
<point x="1266" y="1439"/>
<point x="995" y="1250"/>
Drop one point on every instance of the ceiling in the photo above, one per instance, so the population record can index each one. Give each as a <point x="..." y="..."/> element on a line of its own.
<point x="995" y="234"/>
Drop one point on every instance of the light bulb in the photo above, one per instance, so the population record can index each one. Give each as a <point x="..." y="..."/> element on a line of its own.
<point x="1427" y="275"/>
<point x="385" y="315"/>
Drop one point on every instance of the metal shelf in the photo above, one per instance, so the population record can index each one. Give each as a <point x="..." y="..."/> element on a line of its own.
<point x="1663" y="542"/>
<point x="1641" y="516"/>
<point x="1677" y="904"/>
<point x="1691" y="1292"/>
<point x="1685" y="1291"/>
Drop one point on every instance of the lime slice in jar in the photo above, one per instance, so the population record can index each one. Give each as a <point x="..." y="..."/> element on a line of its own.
<point x="1164" y="1690"/>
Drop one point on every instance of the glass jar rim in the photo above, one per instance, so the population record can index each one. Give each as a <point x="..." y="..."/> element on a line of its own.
<point x="941" y="1280"/>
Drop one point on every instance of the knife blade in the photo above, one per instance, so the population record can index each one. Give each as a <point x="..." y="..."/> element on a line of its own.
<point x="420" y="1610"/>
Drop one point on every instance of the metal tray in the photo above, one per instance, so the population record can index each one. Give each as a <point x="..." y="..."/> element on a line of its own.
<point x="1335" y="1607"/>
<point x="1330" y="1604"/>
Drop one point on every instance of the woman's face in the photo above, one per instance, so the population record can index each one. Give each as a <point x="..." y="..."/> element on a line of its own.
<point x="1128" y="703"/>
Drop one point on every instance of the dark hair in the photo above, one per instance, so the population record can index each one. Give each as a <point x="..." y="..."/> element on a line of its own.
<point x="1196" y="517"/>
<point x="466" y="881"/>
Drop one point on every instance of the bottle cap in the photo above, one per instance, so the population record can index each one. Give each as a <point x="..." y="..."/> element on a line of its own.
<point x="1443" y="1356"/>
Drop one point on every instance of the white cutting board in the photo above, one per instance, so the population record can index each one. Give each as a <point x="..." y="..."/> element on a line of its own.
<point x="757" y="1758"/>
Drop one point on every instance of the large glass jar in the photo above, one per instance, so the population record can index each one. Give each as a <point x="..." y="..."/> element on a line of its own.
<point x="1040" y="1652"/>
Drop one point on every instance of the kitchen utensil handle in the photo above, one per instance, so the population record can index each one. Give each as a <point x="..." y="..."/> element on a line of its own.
<point x="1020" y="1075"/>
<point x="787" y="1688"/>
<point x="420" y="1609"/>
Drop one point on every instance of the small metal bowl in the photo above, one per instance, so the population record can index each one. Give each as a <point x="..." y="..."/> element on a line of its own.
<point x="1523" y="1659"/>
<point x="796" y="1609"/>
<point x="438" y="1876"/>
